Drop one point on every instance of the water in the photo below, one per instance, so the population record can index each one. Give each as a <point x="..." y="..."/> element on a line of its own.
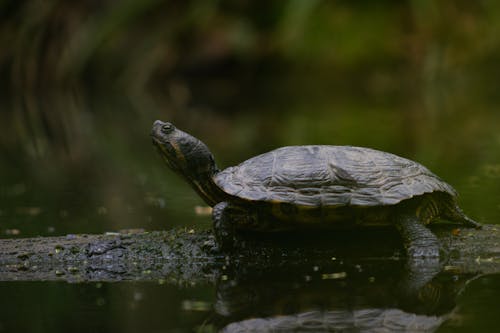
<point x="97" y="307"/>
<point x="82" y="85"/>
<point x="154" y="307"/>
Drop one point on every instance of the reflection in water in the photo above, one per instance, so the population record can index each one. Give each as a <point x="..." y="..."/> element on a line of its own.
<point x="365" y="297"/>
<point x="366" y="320"/>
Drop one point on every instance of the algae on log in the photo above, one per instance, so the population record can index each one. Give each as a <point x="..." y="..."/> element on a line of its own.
<point x="187" y="256"/>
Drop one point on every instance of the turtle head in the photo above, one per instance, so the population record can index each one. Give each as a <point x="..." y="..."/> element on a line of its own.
<point x="182" y="152"/>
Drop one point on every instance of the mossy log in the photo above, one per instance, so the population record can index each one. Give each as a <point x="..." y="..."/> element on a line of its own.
<point x="187" y="256"/>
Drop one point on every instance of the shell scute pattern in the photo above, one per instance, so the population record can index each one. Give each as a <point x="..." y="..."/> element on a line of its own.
<point x="329" y="176"/>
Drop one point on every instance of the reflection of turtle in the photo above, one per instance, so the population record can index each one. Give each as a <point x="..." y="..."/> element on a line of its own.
<point x="314" y="187"/>
<point x="375" y="298"/>
<point x="363" y="320"/>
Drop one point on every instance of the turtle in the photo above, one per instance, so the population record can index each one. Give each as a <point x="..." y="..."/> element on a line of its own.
<point x="314" y="187"/>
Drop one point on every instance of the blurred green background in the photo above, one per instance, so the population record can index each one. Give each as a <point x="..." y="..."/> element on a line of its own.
<point x="82" y="83"/>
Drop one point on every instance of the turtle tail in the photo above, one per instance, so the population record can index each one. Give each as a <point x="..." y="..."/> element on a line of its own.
<point x="467" y="221"/>
<point x="457" y="215"/>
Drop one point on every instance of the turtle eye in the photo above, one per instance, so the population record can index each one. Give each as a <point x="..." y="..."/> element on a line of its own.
<point x="167" y="128"/>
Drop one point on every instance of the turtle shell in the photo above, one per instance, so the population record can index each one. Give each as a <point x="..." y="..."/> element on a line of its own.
<point x="329" y="176"/>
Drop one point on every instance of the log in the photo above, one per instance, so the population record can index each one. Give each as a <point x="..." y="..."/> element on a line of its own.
<point x="188" y="256"/>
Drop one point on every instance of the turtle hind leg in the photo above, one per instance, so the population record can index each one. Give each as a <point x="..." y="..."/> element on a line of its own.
<point x="419" y="241"/>
<point x="423" y="249"/>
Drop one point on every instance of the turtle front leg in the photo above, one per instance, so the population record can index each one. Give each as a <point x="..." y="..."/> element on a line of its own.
<point x="419" y="241"/>
<point x="225" y="217"/>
